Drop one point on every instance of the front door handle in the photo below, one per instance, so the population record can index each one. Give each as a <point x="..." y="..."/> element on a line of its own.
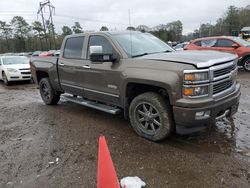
<point x="86" y="66"/>
<point x="62" y="64"/>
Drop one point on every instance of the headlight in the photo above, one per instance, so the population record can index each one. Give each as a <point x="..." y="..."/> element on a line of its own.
<point x="195" y="91"/>
<point x="11" y="70"/>
<point x="196" y="77"/>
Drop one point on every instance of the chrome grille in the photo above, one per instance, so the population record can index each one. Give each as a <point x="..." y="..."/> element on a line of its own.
<point x="224" y="71"/>
<point x="217" y="88"/>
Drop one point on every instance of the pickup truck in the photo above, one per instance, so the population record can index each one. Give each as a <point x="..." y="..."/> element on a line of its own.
<point x="140" y="76"/>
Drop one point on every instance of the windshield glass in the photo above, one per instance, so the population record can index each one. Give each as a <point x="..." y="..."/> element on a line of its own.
<point x="15" y="60"/>
<point x="137" y="44"/>
<point x="241" y="41"/>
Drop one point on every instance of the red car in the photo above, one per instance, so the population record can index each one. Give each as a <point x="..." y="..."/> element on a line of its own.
<point x="229" y="44"/>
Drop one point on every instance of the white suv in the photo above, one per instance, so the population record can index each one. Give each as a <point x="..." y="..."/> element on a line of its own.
<point x="14" y="68"/>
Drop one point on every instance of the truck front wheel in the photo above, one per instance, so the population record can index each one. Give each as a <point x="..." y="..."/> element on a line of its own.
<point x="48" y="94"/>
<point x="151" y="116"/>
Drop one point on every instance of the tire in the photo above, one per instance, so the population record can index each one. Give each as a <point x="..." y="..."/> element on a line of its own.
<point x="246" y="64"/>
<point x="151" y="116"/>
<point x="48" y="94"/>
<point x="5" y="79"/>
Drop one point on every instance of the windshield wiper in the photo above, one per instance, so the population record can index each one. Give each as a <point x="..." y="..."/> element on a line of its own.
<point x="139" y="55"/>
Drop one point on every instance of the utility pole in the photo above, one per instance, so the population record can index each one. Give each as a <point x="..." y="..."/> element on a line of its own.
<point x="47" y="22"/>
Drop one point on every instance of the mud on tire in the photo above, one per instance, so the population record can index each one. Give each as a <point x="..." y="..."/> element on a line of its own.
<point x="48" y="94"/>
<point x="151" y="116"/>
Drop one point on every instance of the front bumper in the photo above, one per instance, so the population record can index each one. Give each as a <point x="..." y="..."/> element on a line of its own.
<point x="17" y="76"/>
<point x="227" y="106"/>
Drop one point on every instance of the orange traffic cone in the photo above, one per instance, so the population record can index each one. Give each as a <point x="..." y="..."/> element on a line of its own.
<point x="106" y="174"/>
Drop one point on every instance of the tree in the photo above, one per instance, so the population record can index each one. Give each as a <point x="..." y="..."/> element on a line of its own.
<point x="6" y="31"/>
<point x="21" y="30"/>
<point x="104" y="28"/>
<point x="142" y="28"/>
<point x="66" y="31"/>
<point x="175" y="30"/>
<point x="39" y="31"/>
<point x="232" y="19"/>
<point x="77" y="28"/>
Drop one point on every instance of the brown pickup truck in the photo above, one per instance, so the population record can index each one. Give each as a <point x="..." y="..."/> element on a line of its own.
<point x="139" y="75"/>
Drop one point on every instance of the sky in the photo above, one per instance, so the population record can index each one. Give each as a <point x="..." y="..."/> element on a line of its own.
<point x="92" y="14"/>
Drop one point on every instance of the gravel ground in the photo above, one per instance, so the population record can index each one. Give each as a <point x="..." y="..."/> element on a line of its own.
<point x="56" y="146"/>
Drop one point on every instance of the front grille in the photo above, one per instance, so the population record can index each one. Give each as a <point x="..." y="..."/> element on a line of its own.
<point x="25" y="69"/>
<point x="25" y="72"/>
<point x="224" y="71"/>
<point x="26" y="76"/>
<point x="217" y="88"/>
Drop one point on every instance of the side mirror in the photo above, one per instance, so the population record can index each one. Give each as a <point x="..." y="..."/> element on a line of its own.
<point x="235" y="46"/>
<point x="96" y="55"/>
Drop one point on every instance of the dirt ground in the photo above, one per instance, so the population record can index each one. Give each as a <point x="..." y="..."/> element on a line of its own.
<point x="56" y="146"/>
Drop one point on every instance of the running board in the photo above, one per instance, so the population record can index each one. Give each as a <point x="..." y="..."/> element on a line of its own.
<point x="92" y="104"/>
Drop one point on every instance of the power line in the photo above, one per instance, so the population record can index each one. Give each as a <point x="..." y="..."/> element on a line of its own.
<point x="10" y="13"/>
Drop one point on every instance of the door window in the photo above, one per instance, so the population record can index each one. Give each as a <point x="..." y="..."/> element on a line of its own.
<point x="224" y="43"/>
<point x="73" y="48"/>
<point x="100" y="41"/>
<point x="208" y="43"/>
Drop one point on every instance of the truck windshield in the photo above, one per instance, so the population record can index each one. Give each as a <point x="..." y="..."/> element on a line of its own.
<point x="139" y="44"/>
<point x="15" y="60"/>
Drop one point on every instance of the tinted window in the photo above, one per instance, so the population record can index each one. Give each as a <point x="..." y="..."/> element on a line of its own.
<point x="101" y="41"/>
<point x="224" y="43"/>
<point x="208" y="43"/>
<point x="197" y="43"/>
<point x="73" y="48"/>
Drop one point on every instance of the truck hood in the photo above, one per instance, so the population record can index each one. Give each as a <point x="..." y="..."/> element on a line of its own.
<point x="200" y="59"/>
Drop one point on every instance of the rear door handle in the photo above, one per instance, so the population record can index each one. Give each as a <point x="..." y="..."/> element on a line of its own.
<point x="86" y="66"/>
<point x="62" y="64"/>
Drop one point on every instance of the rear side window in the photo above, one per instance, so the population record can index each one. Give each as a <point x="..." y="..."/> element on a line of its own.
<point x="101" y="41"/>
<point x="73" y="48"/>
<point x="224" y="43"/>
<point x="208" y="43"/>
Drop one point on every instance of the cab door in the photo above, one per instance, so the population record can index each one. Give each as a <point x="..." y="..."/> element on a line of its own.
<point x="101" y="80"/>
<point x="70" y="65"/>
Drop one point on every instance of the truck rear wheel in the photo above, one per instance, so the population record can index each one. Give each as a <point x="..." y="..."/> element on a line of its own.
<point x="48" y="94"/>
<point x="151" y="116"/>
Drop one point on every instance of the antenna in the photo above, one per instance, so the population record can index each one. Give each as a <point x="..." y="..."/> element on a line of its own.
<point x="129" y="20"/>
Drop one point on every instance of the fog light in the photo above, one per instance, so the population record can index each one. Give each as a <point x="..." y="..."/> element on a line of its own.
<point x="202" y="115"/>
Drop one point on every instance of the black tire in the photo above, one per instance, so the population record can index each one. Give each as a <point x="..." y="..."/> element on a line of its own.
<point x="5" y="79"/>
<point x="154" y="123"/>
<point x="48" y="94"/>
<point x="246" y="64"/>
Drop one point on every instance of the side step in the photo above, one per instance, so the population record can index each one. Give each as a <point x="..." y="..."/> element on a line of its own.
<point x="91" y="104"/>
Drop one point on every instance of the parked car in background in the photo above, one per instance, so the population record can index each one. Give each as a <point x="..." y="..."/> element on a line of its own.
<point x="180" y="46"/>
<point x="229" y="44"/>
<point x="56" y="53"/>
<point x="48" y="53"/>
<point x="14" y="68"/>
<point x="36" y="53"/>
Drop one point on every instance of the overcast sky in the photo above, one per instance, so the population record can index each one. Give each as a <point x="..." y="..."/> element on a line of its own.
<point x="92" y="14"/>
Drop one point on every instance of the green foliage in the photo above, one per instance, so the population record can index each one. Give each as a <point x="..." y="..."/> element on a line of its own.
<point x="66" y="31"/>
<point x="77" y="28"/>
